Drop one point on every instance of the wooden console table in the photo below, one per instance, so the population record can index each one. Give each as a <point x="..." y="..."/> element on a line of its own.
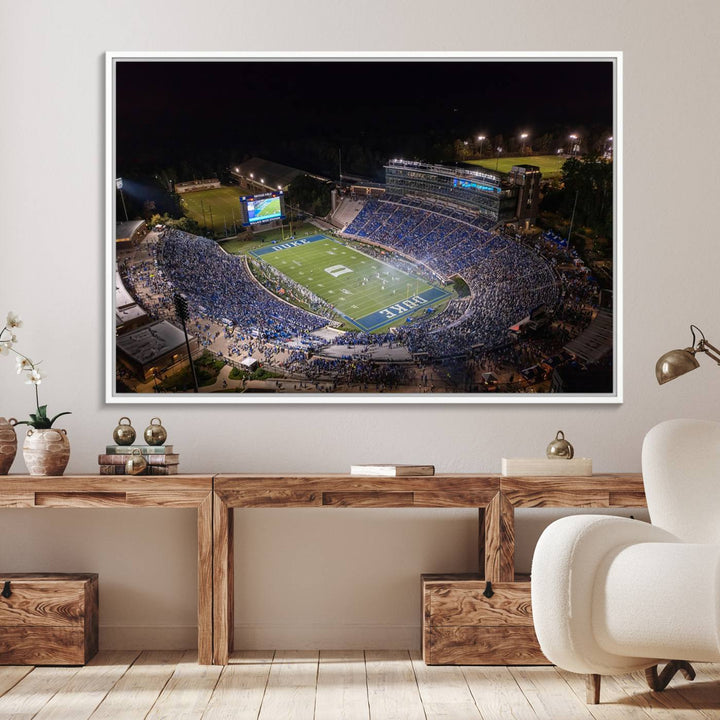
<point x="215" y="497"/>
<point x="495" y="497"/>
<point x="126" y="491"/>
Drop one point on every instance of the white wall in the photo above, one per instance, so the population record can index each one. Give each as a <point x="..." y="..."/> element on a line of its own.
<point x="330" y="578"/>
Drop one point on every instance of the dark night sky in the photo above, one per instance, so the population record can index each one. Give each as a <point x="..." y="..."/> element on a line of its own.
<point x="169" y="111"/>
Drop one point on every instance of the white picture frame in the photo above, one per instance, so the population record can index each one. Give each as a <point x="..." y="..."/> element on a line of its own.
<point x="112" y="396"/>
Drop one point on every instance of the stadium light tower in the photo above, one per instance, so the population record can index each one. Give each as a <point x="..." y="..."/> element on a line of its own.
<point x="574" y="145"/>
<point x="481" y="140"/>
<point x="183" y="315"/>
<point x="119" y="186"/>
<point x="524" y="136"/>
<point x="497" y="157"/>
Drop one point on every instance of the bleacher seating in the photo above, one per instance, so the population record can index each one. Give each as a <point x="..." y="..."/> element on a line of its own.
<point x="507" y="279"/>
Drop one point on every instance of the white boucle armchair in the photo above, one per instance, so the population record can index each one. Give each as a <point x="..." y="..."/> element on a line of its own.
<point x="613" y="595"/>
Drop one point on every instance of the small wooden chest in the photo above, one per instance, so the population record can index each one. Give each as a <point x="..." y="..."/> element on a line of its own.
<point x="48" y="618"/>
<point x="462" y="626"/>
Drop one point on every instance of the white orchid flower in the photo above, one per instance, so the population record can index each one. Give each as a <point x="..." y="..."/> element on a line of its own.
<point x="23" y="364"/>
<point x="13" y="320"/>
<point x="35" y="377"/>
<point x="5" y="346"/>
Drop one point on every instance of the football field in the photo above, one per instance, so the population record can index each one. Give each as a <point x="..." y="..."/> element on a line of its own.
<point x="217" y="208"/>
<point x="550" y="165"/>
<point x="367" y="292"/>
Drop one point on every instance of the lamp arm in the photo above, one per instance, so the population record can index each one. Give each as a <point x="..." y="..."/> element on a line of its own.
<point x="710" y="350"/>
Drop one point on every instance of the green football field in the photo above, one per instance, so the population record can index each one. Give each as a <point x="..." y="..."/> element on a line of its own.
<point x="550" y="165"/>
<point x="367" y="292"/>
<point x="217" y="208"/>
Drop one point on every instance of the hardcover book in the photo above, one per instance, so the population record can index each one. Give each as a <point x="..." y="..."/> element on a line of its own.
<point x="546" y="467"/>
<point x="171" y="459"/>
<point x="150" y="470"/>
<point x="392" y="470"/>
<point x="144" y="449"/>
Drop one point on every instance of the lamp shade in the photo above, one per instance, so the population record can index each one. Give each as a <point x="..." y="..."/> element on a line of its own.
<point x="675" y="363"/>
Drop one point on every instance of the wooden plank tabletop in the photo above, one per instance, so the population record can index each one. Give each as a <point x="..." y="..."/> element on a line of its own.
<point x="445" y="490"/>
<point x="81" y="483"/>
<point x="356" y="490"/>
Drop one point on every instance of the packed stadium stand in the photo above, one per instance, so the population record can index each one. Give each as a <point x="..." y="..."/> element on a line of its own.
<point x="220" y="285"/>
<point x="507" y="279"/>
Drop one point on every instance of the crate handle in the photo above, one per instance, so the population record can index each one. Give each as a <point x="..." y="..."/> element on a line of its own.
<point x="6" y="592"/>
<point x="488" y="592"/>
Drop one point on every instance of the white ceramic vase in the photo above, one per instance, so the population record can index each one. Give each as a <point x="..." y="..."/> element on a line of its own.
<point x="46" y="451"/>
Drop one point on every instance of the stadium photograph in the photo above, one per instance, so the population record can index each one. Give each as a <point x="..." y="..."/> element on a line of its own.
<point x="356" y="227"/>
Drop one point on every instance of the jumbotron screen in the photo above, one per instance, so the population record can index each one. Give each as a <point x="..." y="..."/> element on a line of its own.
<point x="262" y="208"/>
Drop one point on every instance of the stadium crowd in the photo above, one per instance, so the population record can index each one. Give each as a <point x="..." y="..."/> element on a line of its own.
<point x="507" y="279"/>
<point x="220" y="286"/>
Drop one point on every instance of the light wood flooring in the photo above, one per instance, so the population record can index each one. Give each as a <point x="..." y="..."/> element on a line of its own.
<point x="370" y="685"/>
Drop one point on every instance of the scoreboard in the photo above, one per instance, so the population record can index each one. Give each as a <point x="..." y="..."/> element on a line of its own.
<point x="256" y="209"/>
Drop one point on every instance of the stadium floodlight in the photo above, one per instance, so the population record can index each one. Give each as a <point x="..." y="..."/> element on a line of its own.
<point x="183" y="315"/>
<point x="119" y="186"/>
<point x="262" y="180"/>
<point x="252" y="175"/>
<point x="574" y="147"/>
<point x="523" y="136"/>
<point x="237" y="170"/>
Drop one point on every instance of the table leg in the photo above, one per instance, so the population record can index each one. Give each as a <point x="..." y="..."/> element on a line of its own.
<point x="499" y="518"/>
<point x="205" y="587"/>
<point x="223" y="581"/>
<point x="481" y="541"/>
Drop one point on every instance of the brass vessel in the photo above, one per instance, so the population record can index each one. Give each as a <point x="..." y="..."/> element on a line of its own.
<point x="124" y="433"/>
<point x="136" y="463"/>
<point x="560" y="448"/>
<point x="155" y="433"/>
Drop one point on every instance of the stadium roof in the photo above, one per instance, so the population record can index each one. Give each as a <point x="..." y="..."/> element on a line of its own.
<point x="597" y="341"/>
<point x="125" y="230"/>
<point x="266" y="172"/>
<point x="122" y="297"/>
<point x="149" y="343"/>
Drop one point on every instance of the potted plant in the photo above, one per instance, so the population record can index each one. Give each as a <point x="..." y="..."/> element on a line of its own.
<point x="46" y="449"/>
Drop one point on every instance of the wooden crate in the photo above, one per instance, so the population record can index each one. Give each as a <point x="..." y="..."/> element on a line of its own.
<point x="48" y="618"/>
<point x="461" y="626"/>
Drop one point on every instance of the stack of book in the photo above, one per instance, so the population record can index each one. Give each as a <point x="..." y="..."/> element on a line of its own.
<point x="160" y="459"/>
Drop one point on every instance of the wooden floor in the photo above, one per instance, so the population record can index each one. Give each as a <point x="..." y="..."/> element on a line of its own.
<point x="370" y="685"/>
